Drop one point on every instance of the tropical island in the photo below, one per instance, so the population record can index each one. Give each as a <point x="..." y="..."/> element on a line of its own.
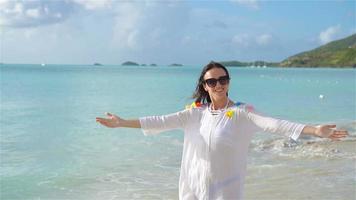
<point x="176" y="65"/>
<point x="339" y="53"/>
<point x="130" y="63"/>
<point x="97" y="64"/>
<point x="257" y="63"/>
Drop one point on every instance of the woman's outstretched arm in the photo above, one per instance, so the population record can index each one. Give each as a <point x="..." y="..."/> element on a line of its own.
<point x="115" y="122"/>
<point x="292" y="129"/>
<point x="325" y="131"/>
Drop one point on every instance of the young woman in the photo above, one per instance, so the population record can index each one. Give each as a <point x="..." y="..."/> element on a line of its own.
<point x="217" y="133"/>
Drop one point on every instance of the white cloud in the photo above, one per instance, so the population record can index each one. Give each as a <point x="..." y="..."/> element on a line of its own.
<point x="17" y="9"/>
<point x="148" y="26"/>
<point x="186" y="40"/>
<point x="217" y="24"/>
<point x="58" y="15"/>
<point x="126" y="20"/>
<point x="138" y="30"/>
<point x="241" y="40"/>
<point x="29" y="33"/>
<point x="253" y="4"/>
<point x="26" y="13"/>
<point x="263" y="39"/>
<point x="21" y="13"/>
<point x="329" y="34"/>
<point x="210" y="18"/>
<point x="34" y="13"/>
<point x="133" y="39"/>
<point x="94" y="4"/>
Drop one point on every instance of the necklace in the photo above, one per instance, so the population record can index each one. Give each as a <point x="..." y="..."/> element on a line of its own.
<point x="218" y="111"/>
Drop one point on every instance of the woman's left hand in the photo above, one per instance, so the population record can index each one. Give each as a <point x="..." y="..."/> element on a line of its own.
<point x="329" y="131"/>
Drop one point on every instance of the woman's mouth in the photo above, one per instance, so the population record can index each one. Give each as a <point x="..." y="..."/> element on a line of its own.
<point x="219" y="91"/>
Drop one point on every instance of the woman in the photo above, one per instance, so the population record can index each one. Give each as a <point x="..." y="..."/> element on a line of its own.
<point x="217" y="135"/>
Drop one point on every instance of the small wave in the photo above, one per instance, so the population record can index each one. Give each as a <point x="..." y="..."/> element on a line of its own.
<point x="350" y="127"/>
<point x="167" y="167"/>
<point x="48" y="180"/>
<point x="322" y="148"/>
<point x="266" y="166"/>
<point x="312" y="147"/>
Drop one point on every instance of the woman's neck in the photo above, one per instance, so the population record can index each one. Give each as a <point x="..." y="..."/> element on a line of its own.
<point x="219" y="104"/>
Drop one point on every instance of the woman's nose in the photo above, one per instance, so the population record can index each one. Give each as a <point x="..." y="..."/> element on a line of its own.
<point x="218" y="85"/>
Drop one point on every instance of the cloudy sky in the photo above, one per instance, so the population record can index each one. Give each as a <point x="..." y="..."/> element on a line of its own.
<point x="191" y="32"/>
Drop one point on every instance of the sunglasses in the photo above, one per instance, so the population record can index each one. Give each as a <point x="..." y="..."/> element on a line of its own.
<point x="223" y="80"/>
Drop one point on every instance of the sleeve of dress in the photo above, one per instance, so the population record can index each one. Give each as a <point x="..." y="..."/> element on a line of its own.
<point x="155" y="124"/>
<point x="273" y="125"/>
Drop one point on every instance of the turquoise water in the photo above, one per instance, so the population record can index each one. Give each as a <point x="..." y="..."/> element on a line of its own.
<point x="52" y="148"/>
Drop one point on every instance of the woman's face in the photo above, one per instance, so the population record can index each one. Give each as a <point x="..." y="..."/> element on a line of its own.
<point x="219" y="91"/>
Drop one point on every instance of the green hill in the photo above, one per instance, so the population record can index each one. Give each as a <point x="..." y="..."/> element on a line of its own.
<point x="339" y="53"/>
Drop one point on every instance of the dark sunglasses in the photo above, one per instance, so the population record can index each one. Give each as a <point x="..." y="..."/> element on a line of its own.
<point x="223" y="80"/>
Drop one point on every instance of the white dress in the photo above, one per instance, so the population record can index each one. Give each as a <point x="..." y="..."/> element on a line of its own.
<point x="216" y="147"/>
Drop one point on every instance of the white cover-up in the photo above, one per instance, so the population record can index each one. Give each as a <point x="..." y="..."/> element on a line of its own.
<point x="216" y="146"/>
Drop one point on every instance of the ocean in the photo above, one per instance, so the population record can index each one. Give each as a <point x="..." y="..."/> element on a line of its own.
<point x="52" y="148"/>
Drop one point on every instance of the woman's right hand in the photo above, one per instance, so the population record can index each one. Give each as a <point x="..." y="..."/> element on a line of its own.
<point x="112" y="122"/>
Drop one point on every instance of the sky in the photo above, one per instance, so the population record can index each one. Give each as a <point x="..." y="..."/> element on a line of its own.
<point x="190" y="32"/>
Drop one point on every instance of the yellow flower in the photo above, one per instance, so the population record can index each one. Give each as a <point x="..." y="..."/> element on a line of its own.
<point x="230" y="113"/>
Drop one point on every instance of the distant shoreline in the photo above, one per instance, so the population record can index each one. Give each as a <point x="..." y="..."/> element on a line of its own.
<point x="166" y="66"/>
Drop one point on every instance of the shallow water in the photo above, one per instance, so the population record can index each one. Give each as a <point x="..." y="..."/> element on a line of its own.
<point x="51" y="147"/>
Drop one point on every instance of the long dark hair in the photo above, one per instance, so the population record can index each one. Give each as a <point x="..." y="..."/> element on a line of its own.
<point x="200" y="95"/>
